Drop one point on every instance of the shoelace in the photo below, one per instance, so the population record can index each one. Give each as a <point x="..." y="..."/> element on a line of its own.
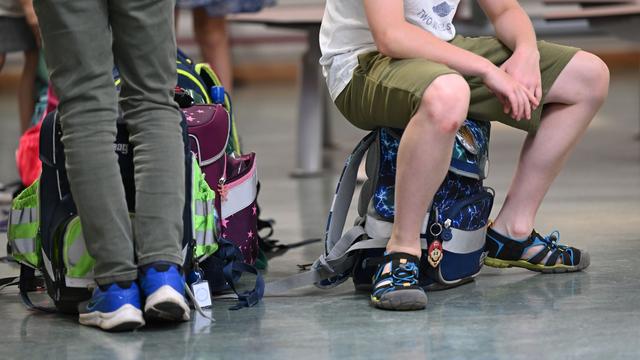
<point x="405" y="273"/>
<point x="552" y="240"/>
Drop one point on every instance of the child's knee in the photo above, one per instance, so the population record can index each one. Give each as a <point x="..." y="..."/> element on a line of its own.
<point x="445" y="102"/>
<point x="601" y="77"/>
<point x="595" y="75"/>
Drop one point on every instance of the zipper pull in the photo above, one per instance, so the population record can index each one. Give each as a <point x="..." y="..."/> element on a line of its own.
<point x="222" y="189"/>
<point x="435" y="251"/>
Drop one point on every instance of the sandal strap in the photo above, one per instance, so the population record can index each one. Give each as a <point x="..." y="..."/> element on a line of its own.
<point x="375" y="261"/>
<point x="571" y="256"/>
<point x="537" y="258"/>
<point x="553" y="258"/>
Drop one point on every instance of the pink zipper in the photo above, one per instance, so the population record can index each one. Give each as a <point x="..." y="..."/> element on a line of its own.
<point x="224" y="188"/>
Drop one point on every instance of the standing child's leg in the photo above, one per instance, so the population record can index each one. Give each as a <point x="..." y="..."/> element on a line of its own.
<point x="77" y="45"/>
<point x="144" y="47"/>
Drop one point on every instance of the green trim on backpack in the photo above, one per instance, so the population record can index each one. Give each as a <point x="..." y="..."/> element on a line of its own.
<point x="200" y="85"/>
<point x="24" y="225"/>
<point x="24" y="240"/>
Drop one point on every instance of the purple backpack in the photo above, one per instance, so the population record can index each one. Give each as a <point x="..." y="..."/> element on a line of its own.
<point x="233" y="178"/>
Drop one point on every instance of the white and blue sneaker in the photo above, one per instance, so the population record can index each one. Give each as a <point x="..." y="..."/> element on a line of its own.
<point x="163" y="289"/>
<point x="113" y="307"/>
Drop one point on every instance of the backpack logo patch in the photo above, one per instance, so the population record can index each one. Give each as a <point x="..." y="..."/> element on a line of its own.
<point x="121" y="148"/>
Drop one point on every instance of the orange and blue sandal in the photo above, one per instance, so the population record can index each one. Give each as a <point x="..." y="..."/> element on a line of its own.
<point x="504" y="252"/>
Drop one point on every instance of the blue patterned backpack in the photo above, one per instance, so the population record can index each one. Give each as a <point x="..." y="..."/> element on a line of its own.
<point x="453" y="232"/>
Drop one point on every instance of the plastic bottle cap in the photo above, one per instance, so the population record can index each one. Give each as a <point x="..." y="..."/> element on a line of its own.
<point x="217" y="94"/>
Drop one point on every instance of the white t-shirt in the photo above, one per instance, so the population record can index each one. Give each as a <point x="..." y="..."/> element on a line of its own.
<point x="345" y="34"/>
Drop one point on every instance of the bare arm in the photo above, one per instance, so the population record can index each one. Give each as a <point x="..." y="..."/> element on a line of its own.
<point x="513" y="26"/>
<point x="514" y="29"/>
<point x="397" y="38"/>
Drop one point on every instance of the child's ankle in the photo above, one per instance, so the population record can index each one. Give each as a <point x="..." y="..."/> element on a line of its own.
<point x="392" y="248"/>
<point x="515" y="233"/>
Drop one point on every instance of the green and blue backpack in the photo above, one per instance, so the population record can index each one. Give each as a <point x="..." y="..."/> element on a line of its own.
<point x="45" y="235"/>
<point x="45" y="232"/>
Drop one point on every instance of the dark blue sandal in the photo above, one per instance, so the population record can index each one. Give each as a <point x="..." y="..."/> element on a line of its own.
<point x="395" y="284"/>
<point x="504" y="252"/>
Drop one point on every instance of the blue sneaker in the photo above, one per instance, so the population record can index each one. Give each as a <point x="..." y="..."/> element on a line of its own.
<point x="113" y="307"/>
<point x="395" y="284"/>
<point x="163" y="289"/>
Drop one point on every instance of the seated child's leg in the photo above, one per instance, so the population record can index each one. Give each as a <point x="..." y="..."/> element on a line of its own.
<point x="570" y="105"/>
<point x="574" y="85"/>
<point x="430" y="101"/>
<point x="424" y="156"/>
<point x="423" y="161"/>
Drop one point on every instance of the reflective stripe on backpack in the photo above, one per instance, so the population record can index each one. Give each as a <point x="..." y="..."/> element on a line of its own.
<point x="204" y="216"/>
<point x="23" y="227"/>
<point x="77" y="261"/>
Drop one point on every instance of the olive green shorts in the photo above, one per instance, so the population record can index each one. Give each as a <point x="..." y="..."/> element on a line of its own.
<point x="386" y="92"/>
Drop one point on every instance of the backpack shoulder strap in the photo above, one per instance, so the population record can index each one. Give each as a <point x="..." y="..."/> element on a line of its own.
<point x="232" y="268"/>
<point x="344" y="192"/>
<point x="27" y="282"/>
<point x="329" y="269"/>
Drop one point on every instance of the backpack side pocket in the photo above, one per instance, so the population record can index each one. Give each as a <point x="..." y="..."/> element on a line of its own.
<point x="24" y="227"/>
